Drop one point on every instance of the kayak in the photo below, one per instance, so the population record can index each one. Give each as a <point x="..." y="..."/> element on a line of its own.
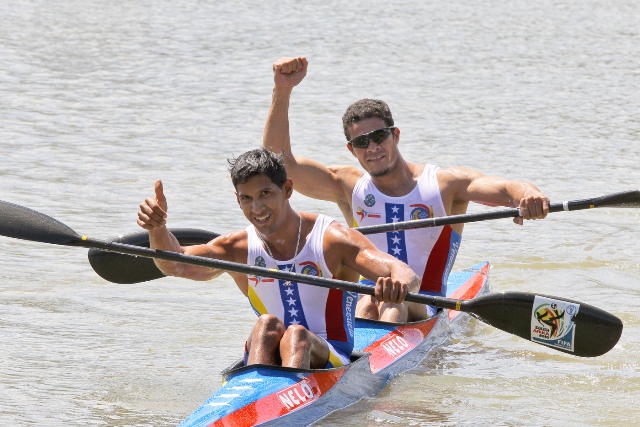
<point x="268" y="395"/>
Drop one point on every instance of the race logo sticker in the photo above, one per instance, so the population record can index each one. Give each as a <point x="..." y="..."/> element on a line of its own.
<point x="421" y="212"/>
<point x="366" y="214"/>
<point x="369" y="200"/>
<point x="552" y="322"/>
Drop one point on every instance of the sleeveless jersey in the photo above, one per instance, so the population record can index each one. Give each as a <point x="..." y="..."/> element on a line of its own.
<point x="328" y="313"/>
<point x="431" y="251"/>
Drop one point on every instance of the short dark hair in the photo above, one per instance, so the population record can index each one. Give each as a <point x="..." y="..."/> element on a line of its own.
<point x="256" y="162"/>
<point x="365" y="109"/>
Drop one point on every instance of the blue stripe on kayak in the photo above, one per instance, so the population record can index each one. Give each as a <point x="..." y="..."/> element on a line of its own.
<point x="368" y="333"/>
<point x="239" y="391"/>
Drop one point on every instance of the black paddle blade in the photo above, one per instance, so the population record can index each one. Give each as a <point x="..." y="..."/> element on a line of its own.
<point x="23" y="223"/>
<point x="119" y="268"/>
<point x="565" y="325"/>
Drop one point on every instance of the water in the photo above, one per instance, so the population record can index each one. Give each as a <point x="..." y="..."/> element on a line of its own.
<point x="98" y="99"/>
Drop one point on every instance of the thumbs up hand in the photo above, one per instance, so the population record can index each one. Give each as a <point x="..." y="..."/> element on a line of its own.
<point x="153" y="211"/>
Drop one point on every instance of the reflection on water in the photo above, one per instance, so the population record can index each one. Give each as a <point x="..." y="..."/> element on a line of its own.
<point x="100" y="99"/>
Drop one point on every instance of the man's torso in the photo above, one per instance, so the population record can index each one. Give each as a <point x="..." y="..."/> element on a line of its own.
<point x="429" y="251"/>
<point x="329" y="313"/>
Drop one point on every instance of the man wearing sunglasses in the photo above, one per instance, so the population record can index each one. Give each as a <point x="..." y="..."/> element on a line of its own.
<point x="390" y="189"/>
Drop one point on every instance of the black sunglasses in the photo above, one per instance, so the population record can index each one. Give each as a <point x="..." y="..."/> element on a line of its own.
<point x="376" y="136"/>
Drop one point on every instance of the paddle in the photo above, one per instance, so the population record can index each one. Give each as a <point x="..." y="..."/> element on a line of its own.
<point x="625" y="199"/>
<point x="119" y="268"/>
<point x="592" y="331"/>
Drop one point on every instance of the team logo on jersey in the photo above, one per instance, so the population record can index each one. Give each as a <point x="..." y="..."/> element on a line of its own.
<point x="310" y="268"/>
<point x="366" y="214"/>
<point x="369" y="200"/>
<point x="421" y="212"/>
<point x="259" y="262"/>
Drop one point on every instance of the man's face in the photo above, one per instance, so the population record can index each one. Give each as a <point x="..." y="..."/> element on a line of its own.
<point x="376" y="159"/>
<point x="263" y="202"/>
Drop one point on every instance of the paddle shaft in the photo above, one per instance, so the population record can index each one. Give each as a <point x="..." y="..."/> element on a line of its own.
<point x="624" y="199"/>
<point x="256" y="271"/>
<point x="596" y="331"/>
<point x="124" y="269"/>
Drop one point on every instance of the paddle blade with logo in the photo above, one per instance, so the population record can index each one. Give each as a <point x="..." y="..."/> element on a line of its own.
<point x="562" y="324"/>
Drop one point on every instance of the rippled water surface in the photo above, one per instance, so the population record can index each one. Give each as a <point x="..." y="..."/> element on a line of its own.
<point x="98" y="99"/>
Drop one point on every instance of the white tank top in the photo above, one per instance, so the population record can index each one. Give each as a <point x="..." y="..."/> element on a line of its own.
<point x="430" y="252"/>
<point x="329" y="313"/>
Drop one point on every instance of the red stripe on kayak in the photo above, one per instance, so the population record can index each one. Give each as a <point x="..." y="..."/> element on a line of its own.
<point x="470" y="289"/>
<point x="397" y="343"/>
<point x="437" y="262"/>
<point x="280" y="403"/>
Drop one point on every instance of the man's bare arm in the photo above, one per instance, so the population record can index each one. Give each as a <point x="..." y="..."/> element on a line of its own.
<point x="310" y="178"/>
<point x="152" y="216"/>
<point x="347" y="248"/>
<point x="467" y="185"/>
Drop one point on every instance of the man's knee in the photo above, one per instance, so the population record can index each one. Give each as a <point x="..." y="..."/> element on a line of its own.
<point x="401" y="308"/>
<point x="268" y="320"/>
<point x="270" y="323"/>
<point x="297" y="333"/>
<point x="416" y="311"/>
<point x="367" y="308"/>
<point x="267" y="331"/>
<point x="296" y="337"/>
<point x="390" y="312"/>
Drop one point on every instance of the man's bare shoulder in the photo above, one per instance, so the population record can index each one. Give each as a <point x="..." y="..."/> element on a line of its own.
<point x="453" y="183"/>
<point x="231" y="239"/>
<point x="417" y="169"/>
<point x="340" y="235"/>
<point x="457" y="175"/>
<point x="233" y="244"/>
<point x="339" y="244"/>
<point x="347" y="174"/>
<point x="337" y="229"/>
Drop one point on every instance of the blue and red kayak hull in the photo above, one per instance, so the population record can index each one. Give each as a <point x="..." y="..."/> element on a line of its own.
<point x="270" y="395"/>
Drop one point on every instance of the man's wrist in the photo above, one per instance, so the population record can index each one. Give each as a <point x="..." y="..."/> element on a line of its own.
<point x="280" y="92"/>
<point x="158" y="230"/>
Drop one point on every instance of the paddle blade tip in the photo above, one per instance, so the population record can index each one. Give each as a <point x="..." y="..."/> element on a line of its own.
<point x="23" y="223"/>
<point x="597" y="331"/>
